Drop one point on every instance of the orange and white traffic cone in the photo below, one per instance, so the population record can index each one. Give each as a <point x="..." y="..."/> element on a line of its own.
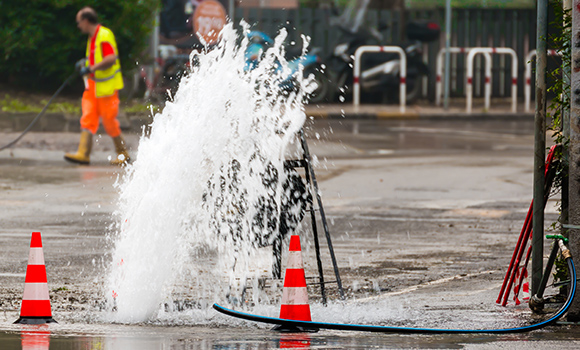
<point x="526" y="291"/>
<point x="516" y="288"/>
<point x="295" y="295"/>
<point x="35" y="307"/>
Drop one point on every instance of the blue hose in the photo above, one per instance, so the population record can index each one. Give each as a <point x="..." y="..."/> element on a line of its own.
<point x="387" y="329"/>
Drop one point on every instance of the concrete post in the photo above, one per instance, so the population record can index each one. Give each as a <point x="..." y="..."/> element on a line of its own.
<point x="566" y="74"/>
<point x="574" y="152"/>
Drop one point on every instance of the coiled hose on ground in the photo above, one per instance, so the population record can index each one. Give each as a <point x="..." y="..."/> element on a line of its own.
<point x="305" y="325"/>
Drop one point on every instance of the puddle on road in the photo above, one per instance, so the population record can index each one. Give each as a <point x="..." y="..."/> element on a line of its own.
<point x="483" y="213"/>
<point x="15" y="176"/>
<point x="388" y="137"/>
<point x="119" y="337"/>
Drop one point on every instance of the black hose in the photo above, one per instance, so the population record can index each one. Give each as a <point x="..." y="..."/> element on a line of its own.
<point x="39" y="114"/>
<point x="388" y="329"/>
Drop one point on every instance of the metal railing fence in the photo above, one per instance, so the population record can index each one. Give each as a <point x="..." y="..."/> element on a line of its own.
<point x="471" y="27"/>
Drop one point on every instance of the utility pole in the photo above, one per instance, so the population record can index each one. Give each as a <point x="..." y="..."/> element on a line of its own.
<point x="539" y="147"/>
<point x="232" y="10"/>
<point x="574" y="152"/>
<point x="447" y="54"/>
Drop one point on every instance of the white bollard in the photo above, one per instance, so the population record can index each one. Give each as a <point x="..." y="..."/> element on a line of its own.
<point x="491" y="50"/>
<point x="439" y="74"/>
<point x="402" y="72"/>
<point x="528" y="77"/>
<point x="439" y="71"/>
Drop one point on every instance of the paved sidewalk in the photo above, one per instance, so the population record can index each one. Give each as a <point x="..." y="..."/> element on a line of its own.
<point x="369" y="111"/>
<point x="62" y="122"/>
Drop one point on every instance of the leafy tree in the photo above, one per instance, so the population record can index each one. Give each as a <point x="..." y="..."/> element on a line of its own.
<point x="41" y="42"/>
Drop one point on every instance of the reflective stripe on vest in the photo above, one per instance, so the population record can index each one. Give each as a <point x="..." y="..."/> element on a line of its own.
<point x="109" y="80"/>
<point x="105" y="79"/>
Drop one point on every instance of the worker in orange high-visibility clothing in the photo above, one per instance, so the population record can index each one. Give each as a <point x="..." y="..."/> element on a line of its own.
<point x="101" y="71"/>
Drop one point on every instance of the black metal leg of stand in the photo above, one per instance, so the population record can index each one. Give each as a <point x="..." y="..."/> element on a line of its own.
<point x="322" y="215"/>
<point x="277" y="257"/>
<point x="549" y="181"/>
<point x="546" y="275"/>
<point x="316" y="242"/>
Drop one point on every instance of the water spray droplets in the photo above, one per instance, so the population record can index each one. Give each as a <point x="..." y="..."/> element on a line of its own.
<point x="195" y="197"/>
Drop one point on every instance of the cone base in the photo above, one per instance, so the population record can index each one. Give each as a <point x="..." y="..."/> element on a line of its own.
<point x="293" y="329"/>
<point x="35" y="320"/>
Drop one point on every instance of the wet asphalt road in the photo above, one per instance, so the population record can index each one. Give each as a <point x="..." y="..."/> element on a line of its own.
<point x="423" y="214"/>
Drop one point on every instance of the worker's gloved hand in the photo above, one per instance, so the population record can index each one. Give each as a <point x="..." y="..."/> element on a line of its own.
<point x="80" y="64"/>
<point x="84" y="71"/>
<point x="81" y="67"/>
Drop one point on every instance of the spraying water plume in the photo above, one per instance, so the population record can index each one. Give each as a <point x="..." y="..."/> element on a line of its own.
<point x="209" y="181"/>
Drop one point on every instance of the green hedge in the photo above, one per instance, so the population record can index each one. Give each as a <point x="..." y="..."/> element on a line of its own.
<point x="40" y="41"/>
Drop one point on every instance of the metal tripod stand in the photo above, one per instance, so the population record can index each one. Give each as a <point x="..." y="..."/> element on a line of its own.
<point x="306" y="163"/>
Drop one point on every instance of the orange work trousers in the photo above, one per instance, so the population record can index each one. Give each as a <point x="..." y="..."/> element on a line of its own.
<point x="100" y="108"/>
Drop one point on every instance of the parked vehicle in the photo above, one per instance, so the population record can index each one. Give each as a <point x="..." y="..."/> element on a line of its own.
<point x="379" y="78"/>
<point x="311" y="61"/>
<point x="174" y="63"/>
<point x="162" y="82"/>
